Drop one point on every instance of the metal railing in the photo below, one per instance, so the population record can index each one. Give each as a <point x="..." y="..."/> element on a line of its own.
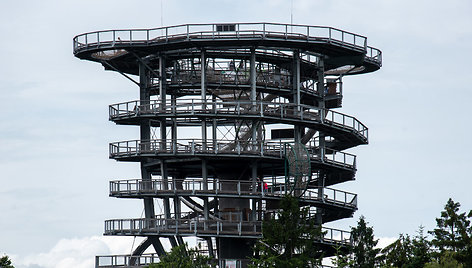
<point x="183" y="226"/>
<point x="336" y="236"/>
<point x="233" y="108"/>
<point x="228" y="188"/>
<point x="293" y="32"/>
<point x="230" y="226"/>
<point x="134" y="148"/>
<point x="125" y="260"/>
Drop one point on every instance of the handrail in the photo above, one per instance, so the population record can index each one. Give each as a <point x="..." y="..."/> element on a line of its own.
<point x="195" y="146"/>
<point x="208" y="31"/>
<point x="199" y="225"/>
<point x="261" y="108"/>
<point x="125" y="260"/>
<point x="215" y="186"/>
<point x="108" y="261"/>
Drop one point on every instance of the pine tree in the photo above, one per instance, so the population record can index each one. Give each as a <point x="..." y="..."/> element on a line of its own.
<point x="407" y="252"/>
<point x="363" y="253"/>
<point x="288" y="240"/>
<point x="5" y="262"/>
<point x="453" y="234"/>
<point x="364" y="243"/>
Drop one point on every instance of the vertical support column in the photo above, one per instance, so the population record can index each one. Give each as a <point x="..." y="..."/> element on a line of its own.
<point x="322" y="138"/>
<point x="163" y="131"/>
<point x="253" y="79"/>
<point x="203" y="97"/>
<point x="255" y="188"/>
<point x="204" y="137"/>
<point x="205" y="188"/>
<point x="145" y="136"/>
<point x="178" y="185"/>
<point x="215" y="126"/>
<point x="296" y="92"/>
<point x="253" y="96"/>
<point x="162" y="96"/>
<point x="174" y="124"/>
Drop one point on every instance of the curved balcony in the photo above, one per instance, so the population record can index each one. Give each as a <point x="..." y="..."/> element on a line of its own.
<point x="198" y="226"/>
<point x="322" y="197"/>
<point x="347" y="129"/>
<point x="134" y="150"/>
<point x="104" y="45"/>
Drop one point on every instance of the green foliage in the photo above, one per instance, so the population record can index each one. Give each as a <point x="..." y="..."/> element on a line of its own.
<point x="453" y="234"/>
<point x="398" y="254"/>
<point x="421" y="250"/>
<point x="364" y="253"/>
<point x="446" y="261"/>
<point x="290" y="239"/>
<point x="5" y="262"/>
<point x="183" y="257"/>
<point x="406" y="252"/>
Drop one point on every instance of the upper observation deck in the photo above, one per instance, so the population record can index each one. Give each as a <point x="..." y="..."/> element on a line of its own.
<point x="120" y="47"/>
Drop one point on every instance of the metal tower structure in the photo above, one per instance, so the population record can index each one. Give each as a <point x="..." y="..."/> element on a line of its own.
<point x="232" y="117"/>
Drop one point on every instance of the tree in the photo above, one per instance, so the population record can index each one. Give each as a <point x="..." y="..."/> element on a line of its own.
<point x="398" y="254"/>
<point x="421" y="249"/>
<point x="453" y="234"/>
<point x="5" y="262"/>
<point x="289" y="239"/>
<point x="183" y="257"/>
<point x="363" y="253"/>
<point x="406" y="252"/>
<point x="446" y="261"/>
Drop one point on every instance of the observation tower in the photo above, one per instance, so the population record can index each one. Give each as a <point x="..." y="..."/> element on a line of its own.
<point x="232" y="117"/>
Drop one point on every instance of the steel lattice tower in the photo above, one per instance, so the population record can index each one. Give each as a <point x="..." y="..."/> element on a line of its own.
<point x="231" y="118"/>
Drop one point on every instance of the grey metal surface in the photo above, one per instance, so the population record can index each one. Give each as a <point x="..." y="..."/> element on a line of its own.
<point x="228" y="83"/>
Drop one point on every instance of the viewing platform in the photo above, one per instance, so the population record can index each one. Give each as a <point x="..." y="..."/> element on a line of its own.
<point x="240" y="189"/>
<point x="348" y="131"/>
<point x="336" y="43"/>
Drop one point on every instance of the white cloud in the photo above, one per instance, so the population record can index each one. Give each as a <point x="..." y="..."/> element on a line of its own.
<point x="385" y="241"/>
<point x="76" y="252"/>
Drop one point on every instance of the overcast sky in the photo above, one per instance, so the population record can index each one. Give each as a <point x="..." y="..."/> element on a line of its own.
<point x="54" y="128"/>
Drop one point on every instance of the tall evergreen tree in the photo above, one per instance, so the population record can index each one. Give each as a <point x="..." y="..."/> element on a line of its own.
<point x="363" y="253"/>
<point x="421" y="249"/>
<point x="453" y="234"/>
<point x="407" y="252"/>
<point x="289" y="239"/>
<point x="399" y="253"/>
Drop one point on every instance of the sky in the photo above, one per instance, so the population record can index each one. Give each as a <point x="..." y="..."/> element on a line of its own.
<point x="54" y="128"/>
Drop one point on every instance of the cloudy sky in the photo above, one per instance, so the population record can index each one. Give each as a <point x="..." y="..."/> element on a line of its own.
<point x="54" y="132"/>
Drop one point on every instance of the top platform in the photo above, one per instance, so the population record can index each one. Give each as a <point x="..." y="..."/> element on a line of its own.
<point x="339" y="48"/>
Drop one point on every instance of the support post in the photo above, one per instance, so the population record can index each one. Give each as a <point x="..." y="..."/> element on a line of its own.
<point x="214" y="127"/>
<point x="253" y="79"/>
<point x="205" y="188"/>
<point x="296" y="92"/>
<point x="254" y="189"/>
<point x="322" y="136"/>
<point x="174" y="124"/>
<point x="162" y="96"/>
<point x="145" y="134"/>
<point x="253" y="97"/>
<point x="203" y="97"/>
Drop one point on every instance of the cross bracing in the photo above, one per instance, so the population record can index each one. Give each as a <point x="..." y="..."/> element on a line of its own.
<point x="219" y="108"/>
